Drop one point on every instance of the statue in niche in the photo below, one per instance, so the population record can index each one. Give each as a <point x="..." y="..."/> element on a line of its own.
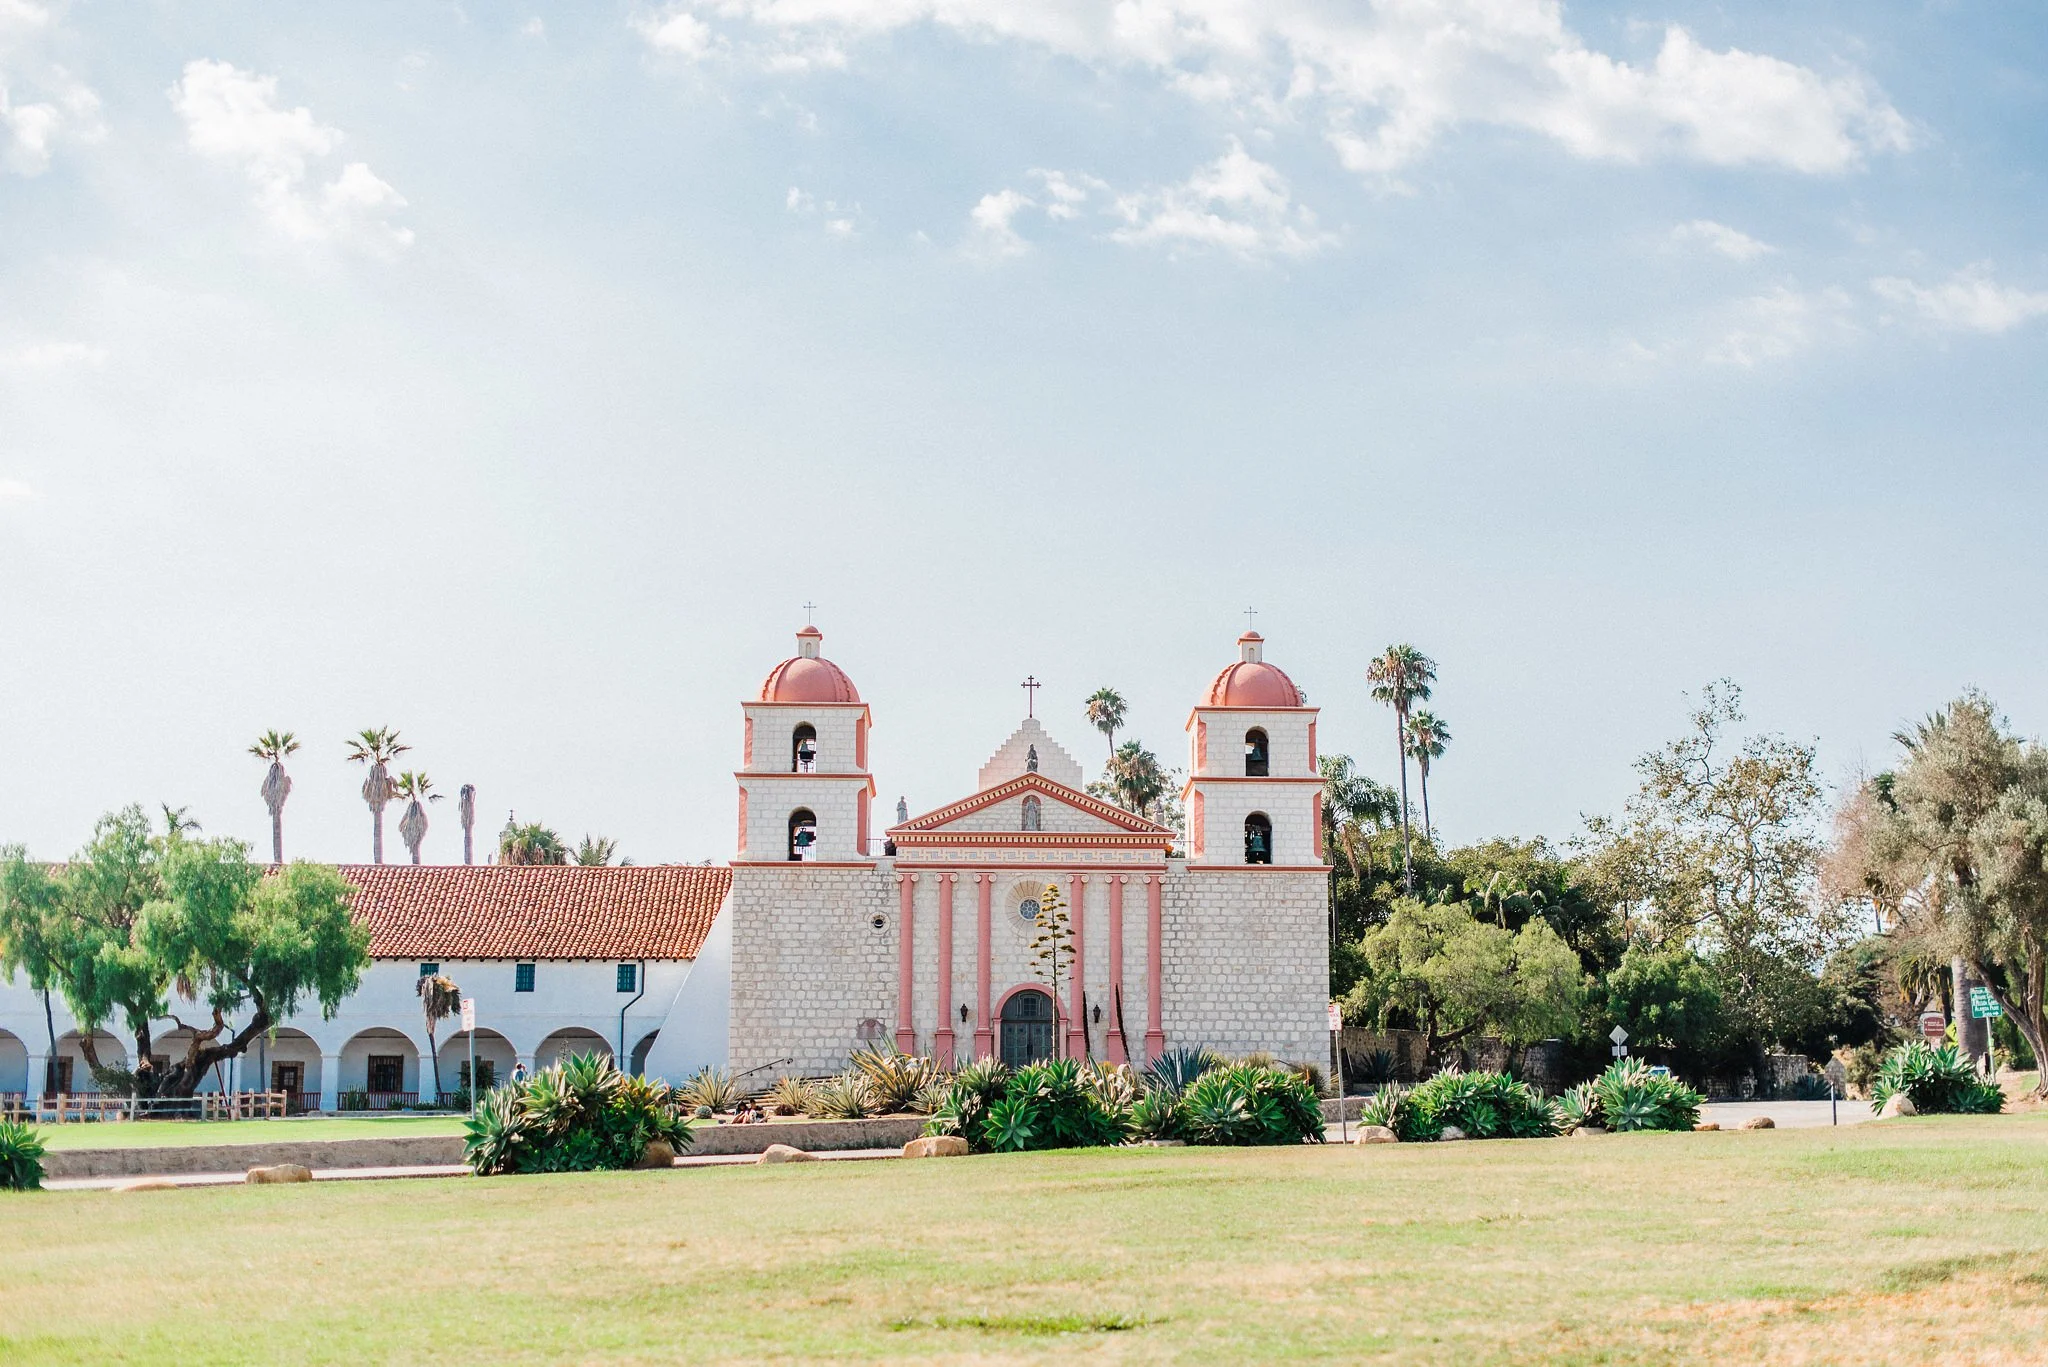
<point x="1031" y="760"/>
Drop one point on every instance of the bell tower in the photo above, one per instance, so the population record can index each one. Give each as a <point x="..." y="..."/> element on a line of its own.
<point x="1254" y="791"/>
<point x="804" y="786"/>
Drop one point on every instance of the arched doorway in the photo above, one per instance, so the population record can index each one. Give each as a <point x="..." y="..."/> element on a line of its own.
<point x="1027" y="1027"/>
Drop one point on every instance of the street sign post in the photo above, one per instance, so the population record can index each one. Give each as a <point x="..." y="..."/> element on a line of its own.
<point x="1620" y="1038"/>
<point x="1337" y="1048"/>
<point x="1983" y="1005"/>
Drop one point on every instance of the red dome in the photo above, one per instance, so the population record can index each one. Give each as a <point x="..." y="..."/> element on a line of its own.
<point x="1251" y="682"/>
<point x="808" y="676"/>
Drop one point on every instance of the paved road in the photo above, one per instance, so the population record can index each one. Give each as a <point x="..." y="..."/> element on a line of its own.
<point x="1789" y="1115"/>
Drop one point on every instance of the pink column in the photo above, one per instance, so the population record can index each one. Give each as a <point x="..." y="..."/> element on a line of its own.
<point x="1115" y="1048"/>
<point x="906" y="1030"/>
<point x="984" y="1029"/>
<point x="942" y="1038"/>
<point x="1077" y="1021"/>
<point x="1155" y="1038"/>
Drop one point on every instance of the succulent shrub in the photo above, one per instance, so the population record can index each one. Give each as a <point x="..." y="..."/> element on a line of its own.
<point x="974" y="1089"/>
<point x="1157" y="1115"/>
<point x="894" y="1079"/>
<point x="579" y="1115"/>
<point x="845" y="1097"/>
<point x="1378" y="1067"/>
<point x="789" y="1096"/>
<point x="1631" y="1097"/>
<point x="713" y="1087"/>
<point x="1176" y="1068"/>
<point x="930" y="1097"/>
<point x="1937" y="1081"/>
<point x="1248" y="1104"/>
<point x="1384" y="1107"/>
<point x="21" y="1157"/>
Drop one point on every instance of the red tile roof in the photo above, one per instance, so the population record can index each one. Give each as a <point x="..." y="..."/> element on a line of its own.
<point x="490" y="911"/>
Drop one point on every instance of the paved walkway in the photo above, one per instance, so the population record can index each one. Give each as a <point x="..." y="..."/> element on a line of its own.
<point x="1789" y="1115"/>
<point x="236" y="1179"/>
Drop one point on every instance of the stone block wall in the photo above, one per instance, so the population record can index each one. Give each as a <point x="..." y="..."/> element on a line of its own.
<point x="809" y="964"/>
<point x="1246" y="958"/>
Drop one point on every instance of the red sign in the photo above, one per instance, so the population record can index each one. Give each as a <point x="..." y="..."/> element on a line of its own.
<point x="1336" y="1017"/>
<point x="1934" y="1025"/>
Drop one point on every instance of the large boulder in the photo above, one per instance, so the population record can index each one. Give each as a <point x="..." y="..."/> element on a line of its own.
<point x="936" y="1146"/>
<point x="1451" y="1132"/>
<point x="783" y="1153"/>
<point x="1896" y="1105"/>
<point x="1706" y="1125"/>
<point x="1588" y="1131"/>
<point x="276" y="1173"/>
<point x="658" y="1154"/>
<point x="1376" y="1134"/>
<point x="1759" y="1122"/>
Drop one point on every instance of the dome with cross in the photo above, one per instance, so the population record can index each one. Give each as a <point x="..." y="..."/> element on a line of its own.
<point x="1251" y="682"/>
<point x="808" y="676"/>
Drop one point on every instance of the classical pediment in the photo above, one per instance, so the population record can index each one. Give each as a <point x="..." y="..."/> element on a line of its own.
<point x="1066" y="816"/>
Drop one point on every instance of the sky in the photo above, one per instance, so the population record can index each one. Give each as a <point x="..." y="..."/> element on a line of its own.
<point x="513" y="375"/>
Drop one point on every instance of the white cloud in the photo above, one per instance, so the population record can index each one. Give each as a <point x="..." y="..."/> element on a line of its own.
<point x="14" y="491"/>
<point x="1236" y="203"/>
<point x="533" y="28"/>
<point x="41" y="104"/>
<point x="838" y="220"/>
<point x="233" y="116"/>
<point x="50" y="356"/>
<point x="992" y="221"/>
<point x="1780" y="323"/>
<point x="1382" y="79"/>
<point x="1968" y="301"/>
<point x="1732" y="243"/>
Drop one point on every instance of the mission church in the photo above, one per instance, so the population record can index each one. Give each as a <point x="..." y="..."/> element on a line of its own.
<point x="823" y="935"/>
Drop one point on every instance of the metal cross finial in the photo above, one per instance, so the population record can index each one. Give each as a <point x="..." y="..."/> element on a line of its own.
<point x="809" y="608"/>
<point x="1249" y="613"/>
<point x="1031" y="685"/>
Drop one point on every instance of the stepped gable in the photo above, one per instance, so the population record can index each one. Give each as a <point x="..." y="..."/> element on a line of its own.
<point x="1013" y="757"/>
<point x="557" y="911"/>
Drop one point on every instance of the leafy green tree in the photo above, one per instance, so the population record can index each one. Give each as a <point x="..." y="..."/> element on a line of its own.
<point x="531" y="843"/>
<point x="1958" y="836"/>
<point x="1666" y="999"/>
<point x="277" y="747"/>
<point x="1106" y="711"/>
<point x="417" y="790"/>
<point x="1452" y="976"/>
<point x="1400" y="678"/>
<point x="1428" y="734"/>
<point x="376" y="748"/>
<point x="135" y="915"/>
<point x="1718" y="851"/>
<point x="1515" y="881"/>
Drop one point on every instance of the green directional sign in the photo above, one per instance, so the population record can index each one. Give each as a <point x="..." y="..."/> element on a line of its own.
<point x="1982" y="1005"/>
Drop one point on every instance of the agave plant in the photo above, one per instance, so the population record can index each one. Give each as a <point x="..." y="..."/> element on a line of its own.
<point x="845" y="1097"/>
<point x="1380" y="1067"/>
<point x="789" y="1096"/>
<point x="931" y="1097"/>
<point x="1937" y="1081"/>
<point x="576" y="1116"/>
<point x="894" y="1079"/>
<point x="712" y="1087"/>
<point x="1632" y="1097"/>
<point x="21" y="1157"/>
<point x="1176" y="1068"/>
<point x="1157" y="1115"/>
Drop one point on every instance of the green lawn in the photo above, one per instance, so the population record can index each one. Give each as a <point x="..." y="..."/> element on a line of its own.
<point x="1910" y="1241"/>
<point x="144" y="1134"/>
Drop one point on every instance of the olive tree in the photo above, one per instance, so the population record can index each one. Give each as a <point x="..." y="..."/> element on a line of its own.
<point x="137" y="919"/>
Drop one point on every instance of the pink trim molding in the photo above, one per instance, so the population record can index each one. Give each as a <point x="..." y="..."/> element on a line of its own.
<point x="906" y="1030"/>
<point x="1155" y="1037"/>
<point x="984" y="1030"/>
<point x="1114" y="1048"/>
<point x="942" y="1038"/>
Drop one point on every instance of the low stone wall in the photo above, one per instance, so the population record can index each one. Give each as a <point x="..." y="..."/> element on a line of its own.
<point x="812" y="1136"/>
<point x="413" y="1151"/>
<point x="395" y="1152"/>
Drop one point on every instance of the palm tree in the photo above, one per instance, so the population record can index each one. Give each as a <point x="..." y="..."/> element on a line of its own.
<point x="531" y="843"/>
<point x="1427" y="737"/>
<point x="1401" y="677"/>
<point x="597" y="851"/>
<point x="277" y="784"/>
<point x="440" y="998"/>
<point x="465" y="809"/>
<point x="178" y="823"/>
<point x="376" y="747"/>
<point x="1106" y="709"/>
<point x="417" y="790"/>
<point x="1135" y="777"/>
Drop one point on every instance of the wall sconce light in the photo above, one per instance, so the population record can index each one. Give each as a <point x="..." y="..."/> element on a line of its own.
<point x="1098" y="1014"/>
<point x="963" y="1013"/>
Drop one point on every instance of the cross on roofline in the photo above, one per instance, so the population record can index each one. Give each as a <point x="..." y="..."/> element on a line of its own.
<point x="1031" y="685"/>
<point x="1249" y="613"/>
<point x="809" y="608"/>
